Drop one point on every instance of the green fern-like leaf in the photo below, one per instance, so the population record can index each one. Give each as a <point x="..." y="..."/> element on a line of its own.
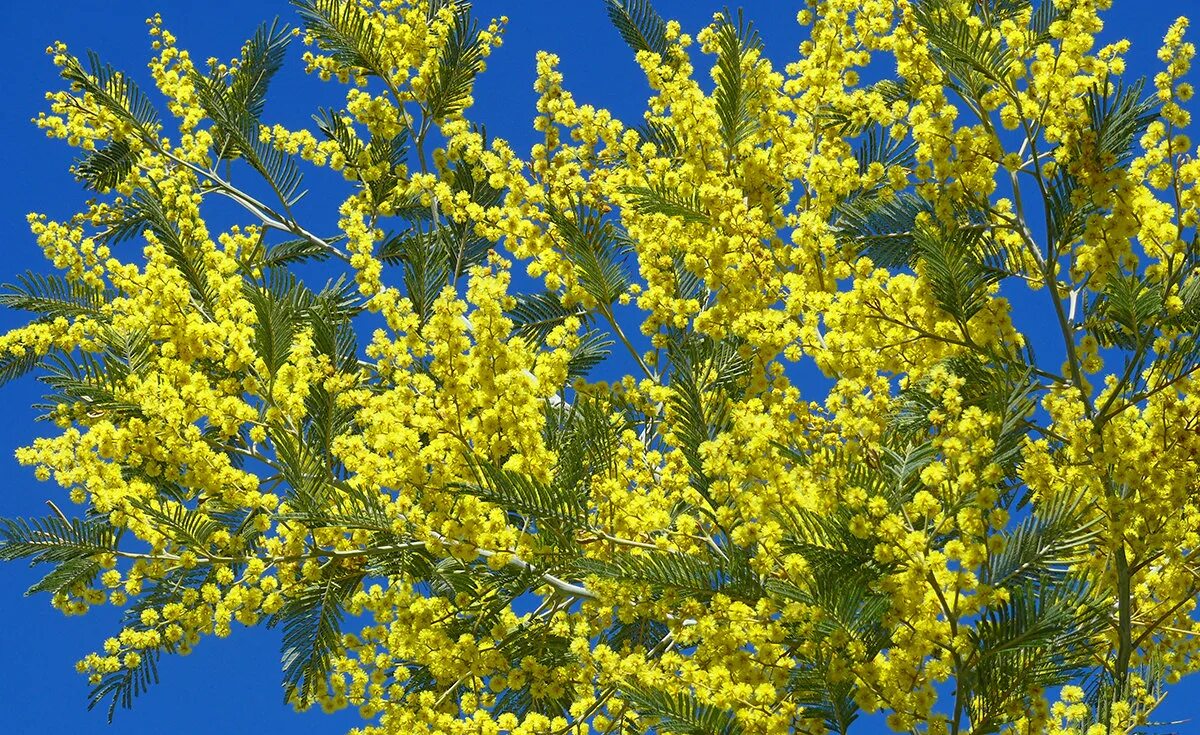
<point x="121" y="687"/>
<point x="1038" y="616"/>
<point x="192" y="527"/>
<point x="94" y="382"/>
<point x="293" y="251"/>
<point x="278" y="305"/>
<point x="72" y="546"/>
<point x="427" y="269"/>
<point x="881" y="228"/>
<point x="695" y="575"/>
<point x="16" y="365"/>
<point x="557" y="511"/>
<point x="639" y="24"/>
<point x="660" y="200"/>
<point x="967" y="52"/>
<point x="262" y="57"/>
<point x="534" y="316"/>
<point x="662" y="136"/>
<point x="878" y="146"/>
<point x="238" y="132"/>
<point x="1004" y="389"/>
<point x="52" y="296"/>
<point x="1046" y="544"/>
<point x="337" y="127"/>
<point x="312" y="634"/>
<point x="343" y="31"/>
<point x="585" y="436"/>
<point x="366" y="159"/>
<point x="737" y="44"/>
<point x="54" y="539"/>
<point x="707" y="376"/>
<point x="144" y="211"/>
<point x="960" y="268"/>
<point x="596" y="249"/>
<point x="112" y="90"/>
<point x="1180" y="359"/>
<point x="329" y="317"/>
<point x="1039" y="638"/>
<point x="67" y="575"/>
<point x="680" y="713"/>
<point x="459" y="62"/>
<point x="1120" y="114"/>
<point x="466" y="248"/>
<point x="643" y="633"/>
<point x="812" y="687"/>
<point x="594" y="347"/>
<point x="1043" y="16"/>
<point x="105" y="167"/>
<point x="1126" y="312"/>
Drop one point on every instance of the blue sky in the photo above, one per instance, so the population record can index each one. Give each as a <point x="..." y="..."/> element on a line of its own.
<point x="232" y="685"/>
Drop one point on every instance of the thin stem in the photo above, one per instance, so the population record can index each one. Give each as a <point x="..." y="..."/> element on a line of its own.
<point x="606" y="312"/>
<point x="513" y="560"/>
<point x="1125" y="643"/>
<point x="282" y="559"/>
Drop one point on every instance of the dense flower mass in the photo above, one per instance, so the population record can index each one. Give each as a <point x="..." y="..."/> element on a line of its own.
<point x="418" y="474"/>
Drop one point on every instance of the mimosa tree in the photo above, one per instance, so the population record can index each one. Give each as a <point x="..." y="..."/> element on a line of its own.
<point x="461" y="514"/>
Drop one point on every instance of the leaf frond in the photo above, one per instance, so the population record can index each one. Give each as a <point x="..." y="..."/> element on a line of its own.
<point x="639" y="24"/>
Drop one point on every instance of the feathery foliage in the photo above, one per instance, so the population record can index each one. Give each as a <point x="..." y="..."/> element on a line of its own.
<point x="639" y="24"/>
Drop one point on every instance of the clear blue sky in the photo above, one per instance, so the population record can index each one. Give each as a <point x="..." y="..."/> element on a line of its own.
<point x="233" y="685"/>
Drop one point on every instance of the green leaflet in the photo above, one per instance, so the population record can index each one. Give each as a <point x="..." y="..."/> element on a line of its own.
<point x="639" y="24"/>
